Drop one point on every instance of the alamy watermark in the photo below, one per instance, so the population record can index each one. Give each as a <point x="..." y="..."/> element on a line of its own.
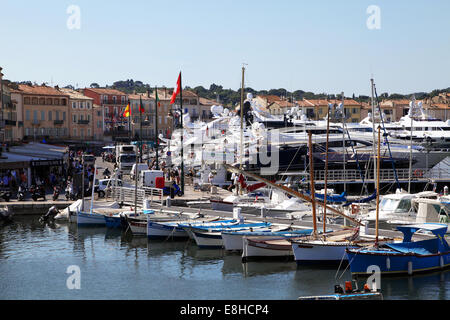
<point x="74" y="20"/>
<point x="74" y="280"/>
<point x="374" y="280"/>
<point x="374" y="20"/>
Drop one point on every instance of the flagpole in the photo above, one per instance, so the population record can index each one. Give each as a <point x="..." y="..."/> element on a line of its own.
<point x="156" y="127"/>
<point x="140" y="130"/>
<point x="182" y="147"/>
<point x="129" y="121"/>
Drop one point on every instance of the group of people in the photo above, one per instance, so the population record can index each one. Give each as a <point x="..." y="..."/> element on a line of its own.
<point x="12" y="179"/>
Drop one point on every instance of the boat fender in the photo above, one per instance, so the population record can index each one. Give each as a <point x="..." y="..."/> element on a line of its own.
<point x="355" y="209"/>
<point x="366" y="288"/>
<point x="348" y="287"/>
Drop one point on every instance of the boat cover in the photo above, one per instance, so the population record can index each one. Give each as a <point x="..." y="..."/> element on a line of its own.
<point x="331" y="198"/>
<point x="364" y="200"/>
<point x="425" y="247"/>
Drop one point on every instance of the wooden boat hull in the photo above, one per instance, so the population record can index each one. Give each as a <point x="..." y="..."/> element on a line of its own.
<point x="257" y="249"/>
<point x="138" y="227"/>
<point x="85" y="219"/>
<point x="234" y="241"/>
<point x="210" y="240"/>
<point x="318" y="252"/>
<point x="113" y="222"/>
<point x="157" y="230"/>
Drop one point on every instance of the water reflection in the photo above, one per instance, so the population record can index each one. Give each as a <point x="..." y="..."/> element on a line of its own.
<point x="105" y="254"/>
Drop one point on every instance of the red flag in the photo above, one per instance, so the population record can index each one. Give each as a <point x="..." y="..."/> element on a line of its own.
<point x="177" y="90"/>
<point x="141" y="108"/>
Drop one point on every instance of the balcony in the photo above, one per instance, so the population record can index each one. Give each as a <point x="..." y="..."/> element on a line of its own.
<point x="83" y="121"/>
<point x="10" y="122"/>
<point x="58" y="122"/>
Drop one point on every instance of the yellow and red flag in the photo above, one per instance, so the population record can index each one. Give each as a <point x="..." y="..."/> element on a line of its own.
<point x="127" y="111"/>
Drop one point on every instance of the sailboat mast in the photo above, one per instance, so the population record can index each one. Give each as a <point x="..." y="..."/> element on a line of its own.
<point x="412" y="105"/>
<point x="311" y="175"/>
<point x="373" y="132"/>
<point x="378" y="184"/>
<point x="326" y="173"/>
<point x="343" y="141"/>
<point x="242" y="118"/>
<point x="135" y="183"/>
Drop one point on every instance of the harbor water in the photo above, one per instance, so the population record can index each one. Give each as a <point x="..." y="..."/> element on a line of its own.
<point x="35" y="262"/>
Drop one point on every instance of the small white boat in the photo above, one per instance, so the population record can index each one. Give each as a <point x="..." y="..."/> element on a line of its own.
<point x="332" y="249"/>
<point x="255" y="248"/>
<point x="173" y="229"/>
<point x="233" y="240"/>
<point x="70" y="213"/>
<point x="86" y="219"/>
<point x="211" y="237"/>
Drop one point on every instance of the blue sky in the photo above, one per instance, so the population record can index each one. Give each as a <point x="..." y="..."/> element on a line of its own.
<point x="319" y="46"/>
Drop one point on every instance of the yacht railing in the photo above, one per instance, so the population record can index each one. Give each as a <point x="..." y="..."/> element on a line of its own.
<point x="385" y="175"/>
<point x="127" y="195"/>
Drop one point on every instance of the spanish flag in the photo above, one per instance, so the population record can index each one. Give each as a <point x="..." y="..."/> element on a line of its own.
<point x="127" y="111"/>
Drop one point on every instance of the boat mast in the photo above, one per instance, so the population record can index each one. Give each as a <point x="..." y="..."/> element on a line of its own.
<point x="326" y="174"/>
<point x="242" y="117"/>
<point x="343" y="140"/>
<point x="412" y="105"/>
<point x="373" y="132"/>
<point x="378" y="184"/>
<point x="93" y="183"/>
<point x="311" y="175"/>
<point x="135" y="183"/>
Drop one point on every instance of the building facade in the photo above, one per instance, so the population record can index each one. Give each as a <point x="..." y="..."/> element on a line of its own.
<point x="44" y="112"/>
<point x="113" y="103"/>
<point x="81" y="116"/>
<point x="143" y="124"/>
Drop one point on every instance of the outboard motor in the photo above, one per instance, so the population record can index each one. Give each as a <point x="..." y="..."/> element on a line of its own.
<point x="50" y="215"/>
<point x="21" y="193"/>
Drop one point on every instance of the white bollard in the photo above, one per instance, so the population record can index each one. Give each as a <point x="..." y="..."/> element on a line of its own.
<point x="410" y="268"/>
<point x="237" y="215"/>
<point x="168" y="200"/>
<point x="263" y="212"/>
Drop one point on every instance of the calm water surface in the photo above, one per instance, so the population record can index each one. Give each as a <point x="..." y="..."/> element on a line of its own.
<point x="34" y="259"/>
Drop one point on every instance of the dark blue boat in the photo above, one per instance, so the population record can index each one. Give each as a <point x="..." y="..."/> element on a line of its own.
<point x="407" y="257"/>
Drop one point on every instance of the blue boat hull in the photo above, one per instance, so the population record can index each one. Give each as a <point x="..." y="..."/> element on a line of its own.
<point x="113" y="222"/>
<point x="396" y="263"/>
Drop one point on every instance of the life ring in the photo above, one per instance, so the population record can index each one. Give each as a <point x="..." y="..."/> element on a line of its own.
<point x="418" y="173"/>
<point x="355" y="209"/>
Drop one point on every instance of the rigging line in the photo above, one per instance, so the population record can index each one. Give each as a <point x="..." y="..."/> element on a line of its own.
<point x="385" y="136"/>
<point x="356" y="154"/>
<point x="298" y="149"/>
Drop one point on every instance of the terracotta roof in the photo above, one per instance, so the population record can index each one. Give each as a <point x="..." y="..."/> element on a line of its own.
<point x="73" y="94"/>
<point x="39" y="90"/>
<point x="282" y="104"/>
<point x="139" y="96"/>
<point x="270" y="98"/>
<point x="395" y="102"/>
<point x="207" y="102"/>
<point x="107" y="91"/>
